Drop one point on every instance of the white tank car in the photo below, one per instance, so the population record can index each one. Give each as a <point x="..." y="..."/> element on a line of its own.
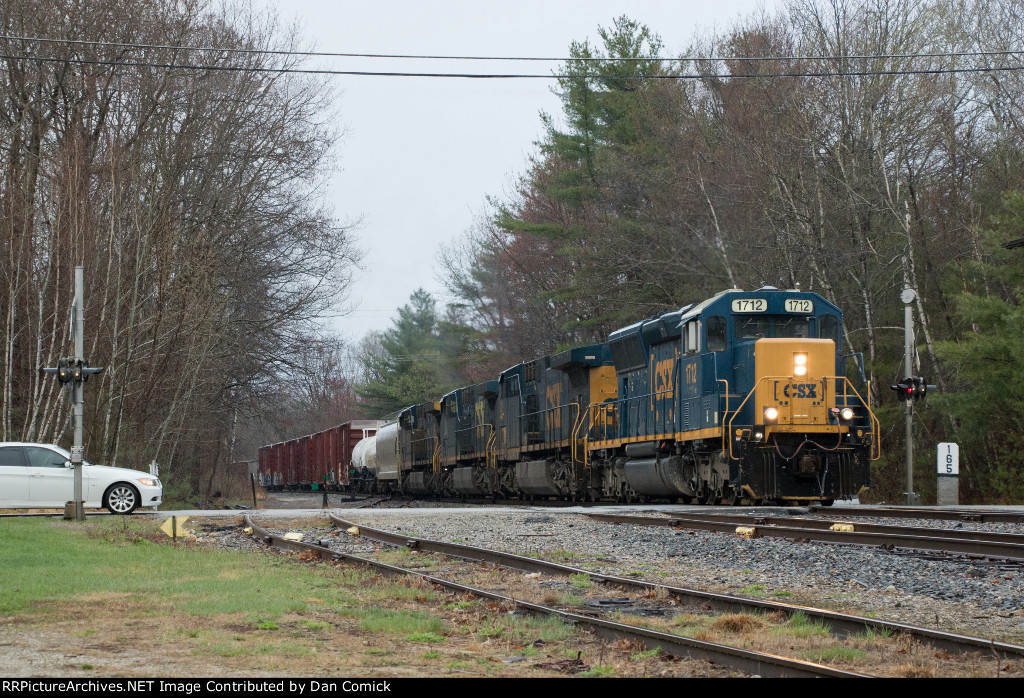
<point x="386" y="442"/>
<point x="364" y="455"/>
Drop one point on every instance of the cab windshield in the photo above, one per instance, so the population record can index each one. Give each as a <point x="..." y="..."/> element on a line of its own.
<point x="759" y="326"/>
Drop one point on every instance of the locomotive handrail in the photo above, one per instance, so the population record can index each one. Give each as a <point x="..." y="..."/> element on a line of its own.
<point x="573" y="445"/>
<point x="425" y="439"/>
<point x="876" y="429"/>
<point x="663" y="421"/>
<point x="582" y="417"/>
<point x="550" y="409"/>
<point x="487" y="446"/>
<point x="726" y="413"/>
<point x="489" y="450"/>
<point x="876" y="445"/>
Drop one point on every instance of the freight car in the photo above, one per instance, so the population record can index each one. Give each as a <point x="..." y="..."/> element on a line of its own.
<point x="743" y="397"/>
<point x="318" y="461"/>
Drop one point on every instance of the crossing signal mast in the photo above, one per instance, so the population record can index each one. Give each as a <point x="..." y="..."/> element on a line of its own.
<point x="72" y="372"/>
<point x="911" y="389"/>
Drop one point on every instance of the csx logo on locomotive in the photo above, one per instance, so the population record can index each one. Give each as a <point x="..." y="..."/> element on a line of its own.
<point x="801" y="390"/>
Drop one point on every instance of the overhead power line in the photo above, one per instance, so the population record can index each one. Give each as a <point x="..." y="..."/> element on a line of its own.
<point x="507" y="76"/>
<point x="405" y="56"/>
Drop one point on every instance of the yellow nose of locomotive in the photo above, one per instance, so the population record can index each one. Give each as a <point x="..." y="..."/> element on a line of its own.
<point x="793" y="383"/>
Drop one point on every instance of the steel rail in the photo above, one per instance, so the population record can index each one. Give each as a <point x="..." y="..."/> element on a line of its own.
<point x="840" y="624"/>
<point x="743" y="660"/>
<point x="981" y="515"/>
<point x="707" y="522"/>
<point x="826" y="524"/>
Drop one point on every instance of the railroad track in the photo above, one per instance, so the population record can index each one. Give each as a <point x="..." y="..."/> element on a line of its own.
<point x="979" y="515"/>
<point x="840" y="624"/>
<point x="1007" y="546"/>
<point x="737" y="658"/>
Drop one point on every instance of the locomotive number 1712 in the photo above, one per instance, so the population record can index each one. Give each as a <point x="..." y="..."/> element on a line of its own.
<point x="799" y="305"/>
<point x="749" y="305"/>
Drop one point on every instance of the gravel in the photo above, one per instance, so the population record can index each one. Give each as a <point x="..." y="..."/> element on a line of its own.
<point x="970" y="597"/>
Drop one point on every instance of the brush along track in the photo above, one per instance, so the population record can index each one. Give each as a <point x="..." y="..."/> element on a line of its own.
<point x="840" y="624"/>
<point x="1005" y="546"/>
<point x="739" y="659"/>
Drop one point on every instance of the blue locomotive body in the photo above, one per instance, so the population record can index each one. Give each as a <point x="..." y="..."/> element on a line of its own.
<point x="741" y="397"/>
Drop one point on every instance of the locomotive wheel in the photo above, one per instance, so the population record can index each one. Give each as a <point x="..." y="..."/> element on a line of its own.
<point x="733" y="497"/>
<point x="827" y="502"/>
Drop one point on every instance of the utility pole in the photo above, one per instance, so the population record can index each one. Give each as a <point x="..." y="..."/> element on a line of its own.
<point x="74" y="371"/>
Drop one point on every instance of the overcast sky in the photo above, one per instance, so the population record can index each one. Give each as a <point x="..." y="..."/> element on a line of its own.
<point x="421" y="155"/>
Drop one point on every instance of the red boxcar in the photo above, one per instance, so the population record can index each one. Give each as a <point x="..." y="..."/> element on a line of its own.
<point x="320" y="459"/>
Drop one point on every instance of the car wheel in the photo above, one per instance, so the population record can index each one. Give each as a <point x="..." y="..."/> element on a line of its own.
<point x="121" y="499"/>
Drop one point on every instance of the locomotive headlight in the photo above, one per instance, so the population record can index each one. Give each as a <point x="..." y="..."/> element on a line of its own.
<point x="799" y="370"/>
<point x="846" y="414"/>
<point x="770" y="414"/>
<point x="800" y="365"/>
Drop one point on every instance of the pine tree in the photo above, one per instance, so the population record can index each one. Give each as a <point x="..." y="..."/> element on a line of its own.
<point x="987" y="401"/>
<point x="409" y="363"/>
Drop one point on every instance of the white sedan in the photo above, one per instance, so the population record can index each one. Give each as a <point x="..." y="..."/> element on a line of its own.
<point x="40" y="476"/>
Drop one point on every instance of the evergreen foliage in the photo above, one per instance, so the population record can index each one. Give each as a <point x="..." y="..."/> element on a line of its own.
<point x="987" y="364"/>
<point x="409" y="363"/>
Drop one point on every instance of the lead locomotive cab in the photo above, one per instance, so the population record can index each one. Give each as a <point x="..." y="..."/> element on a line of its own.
<point x="801" y="430"/>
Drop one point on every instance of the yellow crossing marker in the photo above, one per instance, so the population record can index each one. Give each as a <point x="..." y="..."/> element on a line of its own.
<point x="173" y="525"/>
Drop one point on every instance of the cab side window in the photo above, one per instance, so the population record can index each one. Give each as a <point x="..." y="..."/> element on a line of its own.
<point x="691" y="337"/>
<point x="828" y="328"/>
<point x="717" y="338"/>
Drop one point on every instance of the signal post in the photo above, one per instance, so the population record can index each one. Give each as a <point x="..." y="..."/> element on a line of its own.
<point x="73" y="372"/>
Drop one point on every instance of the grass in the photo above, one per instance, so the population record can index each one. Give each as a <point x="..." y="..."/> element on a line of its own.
<point x="581" y="580"/>
<point x="800" y="626"/>
<point x="826" y="655"/>
<point x="754" y="590"/>
<point x="519" y="630"/>
<point x="872" y="633"/>
<point x="49" y="562"/>
<point x="384" y="620"/>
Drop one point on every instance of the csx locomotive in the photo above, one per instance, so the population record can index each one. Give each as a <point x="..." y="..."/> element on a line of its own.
<point x="740" y="398"/>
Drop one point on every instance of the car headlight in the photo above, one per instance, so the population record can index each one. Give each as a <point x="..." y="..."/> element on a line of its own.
<point x="149" y="481"/>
